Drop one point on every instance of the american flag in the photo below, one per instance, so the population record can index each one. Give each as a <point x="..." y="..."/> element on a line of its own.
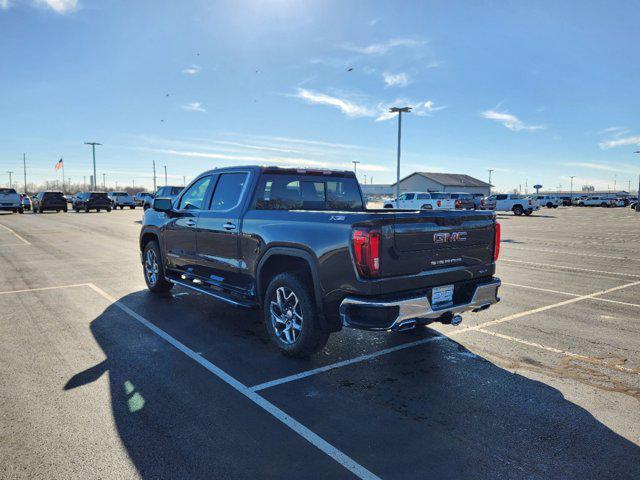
<point x="58" y="165"/>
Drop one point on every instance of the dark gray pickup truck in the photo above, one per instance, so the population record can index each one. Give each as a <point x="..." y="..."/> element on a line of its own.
<point x="301" y="246"/>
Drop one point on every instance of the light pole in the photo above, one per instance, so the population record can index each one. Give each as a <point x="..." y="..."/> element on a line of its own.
<point x="355" y="167"/>
<point x="490" y="170"/>
<point x="165" y="175"/>
<point x="93" y="149"/>
<point x="571" y="190"/>
<point x="10" y="181"/>
<point x="638" y="194"/>
<point x="154" y="177"/>
<point x="399" y="111"/>
<point x="104" y="182"/>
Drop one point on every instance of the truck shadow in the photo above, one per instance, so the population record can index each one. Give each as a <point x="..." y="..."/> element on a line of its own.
<point x="475" y="419"/>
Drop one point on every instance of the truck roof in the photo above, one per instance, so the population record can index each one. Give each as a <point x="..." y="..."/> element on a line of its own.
<point x="285" y="170"/>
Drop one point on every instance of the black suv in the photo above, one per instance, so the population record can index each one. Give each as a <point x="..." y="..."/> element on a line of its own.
<point x="91" y="201"/>
<point x="48" y="201"/>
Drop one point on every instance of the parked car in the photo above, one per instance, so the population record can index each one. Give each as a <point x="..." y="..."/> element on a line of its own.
<point x="44" y="201"/>
<point x="596" y="201"/>
<point x="300" y="245"/>
<point x="549" y="201"/>
<point x="87" y="201"/>
<point x="478" y="200"/>
<point x="464" y="201"/>
<point x="68" y="198"/>
<point x="164" y="192"/>
<point x="140" y="198"/>
<point x="26" y="201"/>
<point x="10" y="200"/>
<point x="510" y="203"/>
<point x="121" y="199"/>
<point x="422" y="201"/>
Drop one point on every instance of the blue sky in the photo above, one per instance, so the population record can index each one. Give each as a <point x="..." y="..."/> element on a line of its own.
<point x="537" y="91"/>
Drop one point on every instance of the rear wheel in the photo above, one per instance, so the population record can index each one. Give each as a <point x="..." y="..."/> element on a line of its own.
<point x="549" y="205"/>
<point x="86" y="209"/>
<point x="518" y="210"/>
<point x="604" y="205"/>
<point x="528" y="212"/>
<point x="426" y="207"/>
<point x="291" y="318"/>
<point x="108" y="209"/>
<point x="132" y="207"/>
<point x="154" y="269"/>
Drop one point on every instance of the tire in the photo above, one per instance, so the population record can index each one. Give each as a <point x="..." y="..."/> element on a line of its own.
<point x="518" y="210"/>
<point x="386" y="206"/>
<point x="41" y="210"/>
<point x="604" y="205"/>
<point x="15" y="210"/>
<point x="58" y="210"/>
<point x="581" y="204"/>
<point x="555" y="206"/>
<point x="146" y="207"/>
<point x="153" y="269"/>
<point x="132" y="207"/>
<point x="426" y="207"/>
<point x="77" y="210"/>
<point x="86" y="209"/>
<point x="108" y="209"/>
<point x="98" y="210"/>
<point x="21" y="210"/>
<point x="65" y="210"/>
<point x="528" y="212"/>
<point x="288" y="298"/>
<point x="549" y="205"/>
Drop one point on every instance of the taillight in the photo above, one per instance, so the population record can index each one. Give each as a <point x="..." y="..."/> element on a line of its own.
<point x="439" y="203"/>
<point x="496" y="243"/>
<point x="458" y="203"/>
<point x="482" y="203"/>
<point x="366" y="248"/>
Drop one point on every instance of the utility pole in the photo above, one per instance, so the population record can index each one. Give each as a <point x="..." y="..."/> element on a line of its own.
<point x="571" y="191"/>
<point x="165" y="175"/>
<point x="154" y="177"/>
<point x="10" y="181"/>
<point x="24" y="169"/>
<point x="399" y="111"/>
<point x="93" y="149"/>
<point x="638" y="193"/>
<point x="184" y="181"/>
<point x="490" y="172"/>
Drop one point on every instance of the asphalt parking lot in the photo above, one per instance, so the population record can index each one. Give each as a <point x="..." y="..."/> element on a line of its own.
<point x="100" y="379"/>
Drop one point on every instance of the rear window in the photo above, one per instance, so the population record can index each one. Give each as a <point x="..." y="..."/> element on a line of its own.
<point x="53" y="195"/>
<point x="287" y="192"/>
<point x="98" y="195"/>
<point x="7" y="191"/>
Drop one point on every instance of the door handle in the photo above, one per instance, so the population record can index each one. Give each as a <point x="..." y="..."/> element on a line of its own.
<point x="190" y="223"/>
<point x="229" y="226"/>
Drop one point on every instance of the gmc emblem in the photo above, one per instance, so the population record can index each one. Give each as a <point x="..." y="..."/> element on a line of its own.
<point x="449" y="237"/>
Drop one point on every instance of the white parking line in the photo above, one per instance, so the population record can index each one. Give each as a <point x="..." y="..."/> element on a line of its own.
<point x="44" y="288"/>
<point x="566" y="353"/>
<point x="290" y="422"/>
<point x="599" y="299"/>
<point x="567" y="267"/>
<point x="344" y="363"/>
<point x="16" y="235"/>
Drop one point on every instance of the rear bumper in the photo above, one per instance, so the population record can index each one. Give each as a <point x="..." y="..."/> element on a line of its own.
<point x="391" y="314"/>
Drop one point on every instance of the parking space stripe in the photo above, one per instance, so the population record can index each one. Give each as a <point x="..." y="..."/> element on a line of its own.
<point x="540" y="289"/>
<point x="567" y="267"/>
<point x="609" y="257"/>
<point x="15" y="234"/>
<point x="566" y="353"/>
<point x="280" y="415"/>
<point x="344" y="363"/>
<point x="45" y="288"/>
<point x="543" y="309"/>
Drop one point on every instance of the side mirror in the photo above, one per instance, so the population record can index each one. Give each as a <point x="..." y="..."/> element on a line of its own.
<point x="163" y="204"/>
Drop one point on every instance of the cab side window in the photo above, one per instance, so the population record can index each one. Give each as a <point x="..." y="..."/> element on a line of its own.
<point x="501" y="197"/>
<point x="409" y="196"/>
<point x="228" y="191"/>
<point x="193" y="198"/>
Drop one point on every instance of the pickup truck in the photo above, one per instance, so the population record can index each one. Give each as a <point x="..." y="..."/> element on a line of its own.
<point x="510" y="203"/>
<point x="422" y="201"/>
<point x="549" y="201"/>
<point x="164" y="192"/>
<point x="301" y="246"/>
<point x="604" y="202"/>
<point x="121" y="199"/>
<point x="10" y="200"/>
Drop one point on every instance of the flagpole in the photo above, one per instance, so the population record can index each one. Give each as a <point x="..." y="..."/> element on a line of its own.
<point x="62" y="160"/>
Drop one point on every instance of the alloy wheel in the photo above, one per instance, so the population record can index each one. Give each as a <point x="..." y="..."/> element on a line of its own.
<point x="286" y="315"/>
<point x="151" y="266"/>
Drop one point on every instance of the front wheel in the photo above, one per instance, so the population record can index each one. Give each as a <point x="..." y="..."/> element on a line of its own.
<point x="132" y="207"/>
<point x="108" y="210"/>
<point x="154" y="269"/>
<point x="291" y="318"/>
<point x="21" y="210"/>
<point x="518" y="210"/>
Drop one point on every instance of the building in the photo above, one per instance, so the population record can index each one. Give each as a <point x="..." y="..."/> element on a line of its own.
<point x="594" y="193"/>
<point x="442" y="182"/>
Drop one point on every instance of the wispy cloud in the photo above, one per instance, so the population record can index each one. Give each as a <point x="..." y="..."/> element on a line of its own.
<point x="349" y="108"/>
<point x="383" y="47"/>
<point x="59" y="6"/>
<point x="615" y="131"/>
<point x="4" y="4"/>
<point x="423" y="108"/>
<point x="593" y="166"/>
<point x="192" y="70"/>
<point x="396" y="79"/>
<point x="510" y="121"/>
<point x="374" y="21"/>
<point x="194" y="107"/>
<point x="620" y="142"/>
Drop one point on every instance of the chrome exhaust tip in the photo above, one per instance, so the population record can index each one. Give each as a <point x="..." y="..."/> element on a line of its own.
<point x="405" y="325"/>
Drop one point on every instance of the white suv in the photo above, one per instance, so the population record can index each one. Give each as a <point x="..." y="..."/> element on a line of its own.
<point x="10" y="200"/>
<point x="422" y="201"/>
<point x="504" y="202"/>
<point x="596" y="202"/>
<point x="549" y="201"/>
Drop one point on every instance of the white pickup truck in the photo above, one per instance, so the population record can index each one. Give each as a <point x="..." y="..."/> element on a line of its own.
<point x="549" y="201"/>
<point x="10" y="200"/>
<point x="518" y="204"/>
<point x="121" y="199"/>
<point x="596" y="202"/>
<point x="422" y="201"/>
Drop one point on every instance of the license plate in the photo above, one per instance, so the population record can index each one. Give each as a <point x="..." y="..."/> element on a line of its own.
<point x="441" y="296"/>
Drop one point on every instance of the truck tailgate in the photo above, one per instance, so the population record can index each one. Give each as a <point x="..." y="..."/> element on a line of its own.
<point x="438" y="240"/>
